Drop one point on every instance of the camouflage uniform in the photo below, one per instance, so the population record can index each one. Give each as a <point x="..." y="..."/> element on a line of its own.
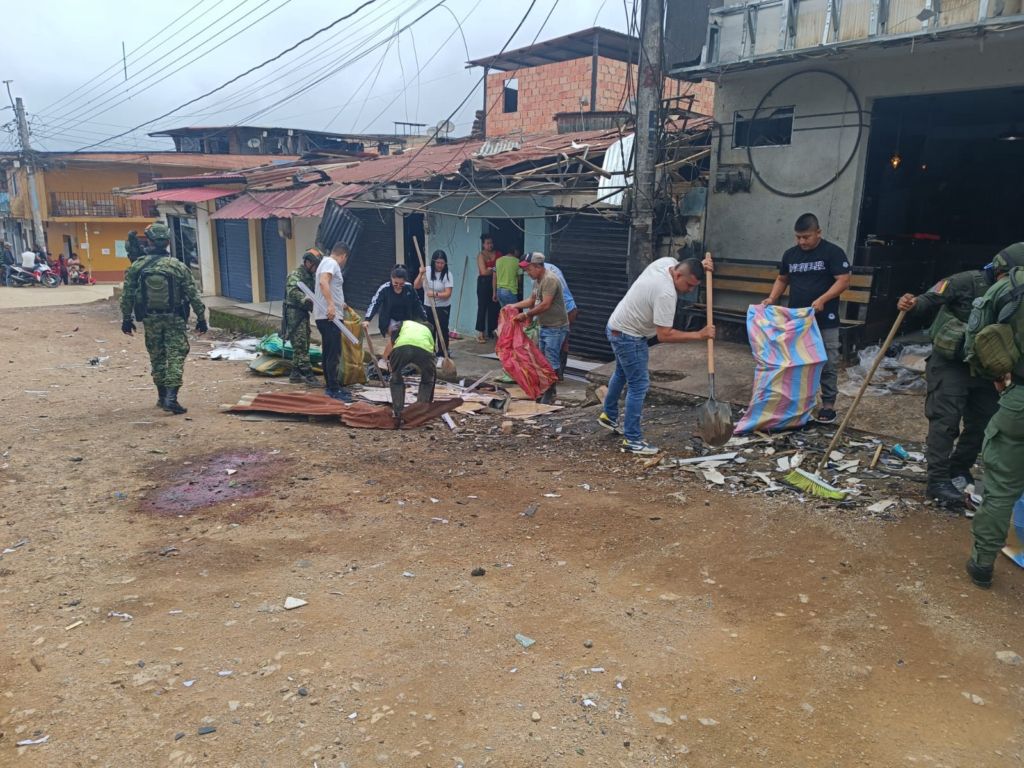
<point x="166" y="335"/>
<point x="296" y="317"/>
<point x="954" y="395"/>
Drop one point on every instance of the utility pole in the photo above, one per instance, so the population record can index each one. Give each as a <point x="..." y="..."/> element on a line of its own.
<point x="30" y="168"/>
<point x="650" y="80"/>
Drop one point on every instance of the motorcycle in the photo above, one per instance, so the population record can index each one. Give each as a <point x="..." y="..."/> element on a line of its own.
<point x="41" y="274"/>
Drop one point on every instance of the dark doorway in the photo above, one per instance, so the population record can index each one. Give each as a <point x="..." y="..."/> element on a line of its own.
<point x="507" y="233"/>
<point x="68" y="246"/>
<point x="413" y="228"/>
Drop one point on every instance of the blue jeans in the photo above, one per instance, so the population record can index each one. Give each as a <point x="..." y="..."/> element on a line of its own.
<point x="7" y="274"/>
<point x="550" y="343"/>
<point x="630" y="374"/>
<point x="505" y="296"/>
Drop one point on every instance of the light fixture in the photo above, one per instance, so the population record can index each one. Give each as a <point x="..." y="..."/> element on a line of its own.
<point x="895" y="160"/>
<point x="1014" y="134"/>
<point x="926" y="14"/>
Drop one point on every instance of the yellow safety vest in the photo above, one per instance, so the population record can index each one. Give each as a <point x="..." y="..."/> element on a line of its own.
<point x="416" y="334"/>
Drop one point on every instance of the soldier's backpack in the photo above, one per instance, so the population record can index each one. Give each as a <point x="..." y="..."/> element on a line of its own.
<point x="948" y="332"/>
<point x="995" y="330"/>
<point x="160" y="290"/>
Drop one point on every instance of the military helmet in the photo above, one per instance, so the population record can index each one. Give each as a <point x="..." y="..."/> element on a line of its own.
<point x="1011" y="256"/>
<point x="313" y="255"/>
<point x="158" y="232"/>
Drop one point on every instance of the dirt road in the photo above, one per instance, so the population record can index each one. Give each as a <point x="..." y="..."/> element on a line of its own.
<point x="151" y="557"/>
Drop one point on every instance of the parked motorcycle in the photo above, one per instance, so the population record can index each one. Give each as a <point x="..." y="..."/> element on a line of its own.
<point x="41" y="274"/>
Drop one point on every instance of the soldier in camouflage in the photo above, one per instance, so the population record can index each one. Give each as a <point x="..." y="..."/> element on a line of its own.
<point x="165" y="328"/>
<point x="954" y="395"/>
<point x="295" y="323"/>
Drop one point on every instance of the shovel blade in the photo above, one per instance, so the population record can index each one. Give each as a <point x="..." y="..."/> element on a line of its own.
<point x="714" y="423"/>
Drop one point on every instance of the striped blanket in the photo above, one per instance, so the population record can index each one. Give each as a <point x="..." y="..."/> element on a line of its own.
<point x="789" y="355"/>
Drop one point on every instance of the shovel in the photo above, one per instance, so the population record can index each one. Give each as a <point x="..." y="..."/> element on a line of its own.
<point x="714" y="419"/>
<point x="447" y="367"/>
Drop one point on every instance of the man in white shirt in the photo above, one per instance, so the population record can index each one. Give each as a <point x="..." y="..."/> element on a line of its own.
<point x="646" y="311"/>
<point x="28" y="259"/>
<point x="330" y="304"/>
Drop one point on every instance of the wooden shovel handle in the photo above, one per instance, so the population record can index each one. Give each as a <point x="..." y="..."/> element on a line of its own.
<point x="709" y="292"/>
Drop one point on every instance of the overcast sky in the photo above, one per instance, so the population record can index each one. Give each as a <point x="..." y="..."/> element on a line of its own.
<point x="67" y="65"/>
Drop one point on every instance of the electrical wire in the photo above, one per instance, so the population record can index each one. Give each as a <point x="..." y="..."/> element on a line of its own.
<point x="380" y="67"/>
<point x="239" y="77"/>
<point x="243" y="96"/>
<point x="426" y="63"/>
<point x="82" y="90"/>
<point x="135" y="90"/>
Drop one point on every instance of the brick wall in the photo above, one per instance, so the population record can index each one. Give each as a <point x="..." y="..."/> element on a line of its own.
<point x="551" y="88"/>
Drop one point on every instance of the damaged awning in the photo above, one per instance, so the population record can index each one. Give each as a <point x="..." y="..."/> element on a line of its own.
<point x="184" y="195"/>
<point x="302" y="202"/>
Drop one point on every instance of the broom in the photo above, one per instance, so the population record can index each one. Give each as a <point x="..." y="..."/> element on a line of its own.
<point x="812" y="482"/>
<point x="448" y="368"/>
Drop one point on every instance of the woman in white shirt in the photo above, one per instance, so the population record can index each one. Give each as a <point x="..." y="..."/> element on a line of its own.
<point x="436" y="283"/>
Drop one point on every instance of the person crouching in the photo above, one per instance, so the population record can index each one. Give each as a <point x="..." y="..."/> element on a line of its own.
<point x="410" y="343"/>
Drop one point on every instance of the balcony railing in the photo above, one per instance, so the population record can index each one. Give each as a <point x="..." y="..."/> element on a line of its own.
<point x="75" y="204"/>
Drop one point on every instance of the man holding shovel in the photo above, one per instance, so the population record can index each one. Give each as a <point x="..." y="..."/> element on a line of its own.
<point x="647" y="311"/>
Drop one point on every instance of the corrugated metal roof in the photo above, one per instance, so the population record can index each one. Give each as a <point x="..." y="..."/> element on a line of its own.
<point x="287" y="203"/>
<point x="184" y="195"/>
<point x="180" y="159"/>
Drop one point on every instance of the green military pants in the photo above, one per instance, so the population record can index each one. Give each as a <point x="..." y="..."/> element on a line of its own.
<point x="954" y="396"/>
<point x="167" y="344"/>
<point x="298" y="335"/>
<point x="1004" y="476"/>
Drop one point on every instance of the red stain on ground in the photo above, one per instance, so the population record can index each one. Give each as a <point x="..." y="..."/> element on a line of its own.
<point x="209" y="481"/>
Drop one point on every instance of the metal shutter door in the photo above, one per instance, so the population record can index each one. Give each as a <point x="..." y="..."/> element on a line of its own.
<point x="591" y="252"/>
<point x="372" y="257"/>
<point x="275" y="260"/>
<point x="233" y="259"/>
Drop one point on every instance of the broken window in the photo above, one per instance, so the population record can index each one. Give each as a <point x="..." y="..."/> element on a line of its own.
<point x="510" y="94"/>
<point x="771" y="129"/>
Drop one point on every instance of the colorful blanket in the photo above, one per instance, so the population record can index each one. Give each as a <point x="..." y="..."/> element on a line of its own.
<point x="789" y="355"/>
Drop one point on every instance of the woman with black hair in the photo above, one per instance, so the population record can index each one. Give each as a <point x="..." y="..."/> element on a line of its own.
<point x="437" y="285"/>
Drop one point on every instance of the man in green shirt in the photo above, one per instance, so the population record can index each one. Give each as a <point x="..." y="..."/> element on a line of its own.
<point x="507" y="274"/>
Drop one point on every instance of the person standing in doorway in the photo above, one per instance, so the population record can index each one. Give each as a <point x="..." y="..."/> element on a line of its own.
<point x="816" y="273"/>
<point x="330" y="306"/>
<point x="646" y="311"/>
<point x="436" y="283"/>
<point x="547" y="304"/>
<point x="507" y="275"/>
<point x="486" y="306"/>
<point x="8" y="263"/>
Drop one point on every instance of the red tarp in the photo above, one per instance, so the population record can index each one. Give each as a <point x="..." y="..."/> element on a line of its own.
<point x="521" y="358"/>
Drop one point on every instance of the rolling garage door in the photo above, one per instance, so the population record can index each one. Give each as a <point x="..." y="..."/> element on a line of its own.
<point x="372" y="257"/>
<point x="591" y="252"/>
<point x="275" y="260"/>
<point x="233" y="259"/>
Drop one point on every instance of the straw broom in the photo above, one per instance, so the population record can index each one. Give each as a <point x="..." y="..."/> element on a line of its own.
<point x="813" y="482"/>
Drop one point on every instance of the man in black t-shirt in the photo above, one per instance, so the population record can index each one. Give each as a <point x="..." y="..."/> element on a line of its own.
<point x="816" y="273"/>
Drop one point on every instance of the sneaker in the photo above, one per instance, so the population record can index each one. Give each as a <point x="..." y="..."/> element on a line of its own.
<point x="826" y="416"/>
<point x="962" y="480"/>
<point x="342" y="394"/>
<point x="945" y="495"/>
<point x="981" y="575"/>
<point x="609" y="423"/>
<point x="639" y="447"/>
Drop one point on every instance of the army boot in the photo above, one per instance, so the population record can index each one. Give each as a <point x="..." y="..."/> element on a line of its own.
<point x="295" y="377"/>
<point x="161" y="394"/>
<point x="171" y="403"/>
<point x="945" y="494"/>
<point x="309" y="378"/>
<point x="981" y="575"/>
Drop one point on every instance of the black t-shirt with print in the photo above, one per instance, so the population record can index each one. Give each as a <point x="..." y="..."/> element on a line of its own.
<point x="811" y="274"/>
